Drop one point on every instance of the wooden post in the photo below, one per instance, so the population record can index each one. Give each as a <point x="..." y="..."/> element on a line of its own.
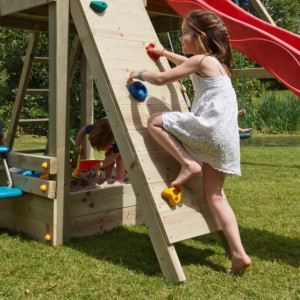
<point x="87" y="102"/>
<point x="59" y="87"/>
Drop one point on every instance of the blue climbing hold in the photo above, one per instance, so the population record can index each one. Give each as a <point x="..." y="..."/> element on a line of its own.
<point x="245" y="135"/>
<point x="98" y="6"/>
<point x="4" y="149"/>
<point x="138" y="90"/>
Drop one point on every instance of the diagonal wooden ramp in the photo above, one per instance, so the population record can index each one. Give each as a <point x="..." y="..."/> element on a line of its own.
<point x="114" y="43"/>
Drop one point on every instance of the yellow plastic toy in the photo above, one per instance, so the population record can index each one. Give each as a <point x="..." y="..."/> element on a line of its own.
<point x="172" y="195"/>
<point x="43" y="188"/>
<point x="48" y="237"/>
<point x="76" y="173"/>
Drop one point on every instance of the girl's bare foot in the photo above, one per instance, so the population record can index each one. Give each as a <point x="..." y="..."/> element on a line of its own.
<point x="186" y="173"/>
<point x="239" y="265"/>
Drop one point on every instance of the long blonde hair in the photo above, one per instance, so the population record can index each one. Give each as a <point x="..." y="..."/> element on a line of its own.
<point x="215" y="38"/>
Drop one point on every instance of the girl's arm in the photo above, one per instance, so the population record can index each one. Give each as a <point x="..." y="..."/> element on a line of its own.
<point x="190" y="66"/>
<point x="106" y="162"/>
<point x="109" y="159"/>
<point x="79" y="138"/>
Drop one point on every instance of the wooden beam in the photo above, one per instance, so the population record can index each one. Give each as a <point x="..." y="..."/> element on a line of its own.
<point x="87" y="102"/>
<point x="43" y="164"/>
<point x="12" y="6"/>
<point x="59" y="84"/>
<point x="262" y="12"/>
<point x="161" y="7"/>
<point x="258" y="73"/>
<point x="36" y="186"/>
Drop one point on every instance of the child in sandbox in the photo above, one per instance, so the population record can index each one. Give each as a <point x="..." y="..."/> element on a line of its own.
<point x="102" y="139"/>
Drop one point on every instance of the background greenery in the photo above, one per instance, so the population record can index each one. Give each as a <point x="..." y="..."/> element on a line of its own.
<point x="265" y="112"/>
<point x="121" y="264"/>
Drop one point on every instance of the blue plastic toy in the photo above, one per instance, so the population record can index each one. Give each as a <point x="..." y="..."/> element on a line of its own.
<point x="138" y="90"/>
<point x="7" y="191"/>
<point x="98" y="6"/>
<point x="245" y="135"/>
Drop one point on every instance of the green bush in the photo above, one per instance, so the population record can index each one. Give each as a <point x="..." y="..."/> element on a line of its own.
<point x="276" y="112"/>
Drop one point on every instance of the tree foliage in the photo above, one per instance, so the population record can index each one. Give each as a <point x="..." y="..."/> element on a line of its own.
<point x="13" y="45"/>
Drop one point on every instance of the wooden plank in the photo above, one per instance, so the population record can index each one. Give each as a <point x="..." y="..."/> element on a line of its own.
<point x="105" y="221"/>
<point x="166" y="253"/>
<point x="104" y="199"/>
<point x="33" y="121"/>
<point x="87" y="103"/>
<point x="12" y="6"/>
<point x="30" y="150"/>
<point x="40" y="163"/>
<point x="161" y="7"/>
<point x="36" y="186"/>
<point x="60" y="38"/>
<point x="20" y="23"/>
<point x="37" y="91"/>
<point x="29" y="214"/>
<point x="262" y="12"/>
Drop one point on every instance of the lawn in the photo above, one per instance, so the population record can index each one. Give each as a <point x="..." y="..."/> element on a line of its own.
<point x="121" y="264"/>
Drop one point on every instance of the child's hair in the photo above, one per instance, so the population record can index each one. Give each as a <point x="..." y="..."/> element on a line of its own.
<point x="101" y="136"/>
<point x="216" y="39"/>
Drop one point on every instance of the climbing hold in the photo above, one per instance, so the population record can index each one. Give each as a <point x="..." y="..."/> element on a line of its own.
<point x="245" y="135"/>
<point x="138" y="90"/>
<point x="48" y="237"/>
<point x="43" y="188"/>
<point x="98" y="6"/>
<point x="172" y="195"/>
<point x="152" y="54"/>
<point x="44" y="165"/>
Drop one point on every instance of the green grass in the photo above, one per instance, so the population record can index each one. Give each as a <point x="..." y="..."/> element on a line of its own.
<point x="121" y="264"/>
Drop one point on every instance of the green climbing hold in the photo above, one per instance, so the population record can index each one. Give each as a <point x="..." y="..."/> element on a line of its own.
<point x="98" y="6"/>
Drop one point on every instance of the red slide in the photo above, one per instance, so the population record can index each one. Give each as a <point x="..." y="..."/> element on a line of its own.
<point x="275" y="49"/>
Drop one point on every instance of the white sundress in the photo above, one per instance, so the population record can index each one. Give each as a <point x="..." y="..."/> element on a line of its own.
<point x="210" y="131"/>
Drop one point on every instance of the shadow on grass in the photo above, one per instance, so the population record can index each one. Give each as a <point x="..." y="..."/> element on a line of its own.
<point x="271" y="246"/>
<point x="134" y="250"/>
<point x="265" y="245"/>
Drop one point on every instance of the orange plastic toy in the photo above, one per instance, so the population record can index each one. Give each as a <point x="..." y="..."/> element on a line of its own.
<point x="172" y="195"/>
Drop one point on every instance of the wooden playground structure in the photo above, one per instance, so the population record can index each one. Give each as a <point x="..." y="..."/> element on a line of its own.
<point x="111" y="45"/>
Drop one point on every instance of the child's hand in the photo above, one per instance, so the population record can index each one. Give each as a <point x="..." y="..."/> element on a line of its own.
<point x="95" y="169"/>
<point x="156" y="48"/>
<point x="133" y="75"/>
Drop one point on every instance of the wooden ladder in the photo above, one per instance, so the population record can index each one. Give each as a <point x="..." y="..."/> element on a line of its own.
<point x="23" y="90"/>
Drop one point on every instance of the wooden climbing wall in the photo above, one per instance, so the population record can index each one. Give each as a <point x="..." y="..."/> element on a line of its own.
<point x="114" y="43"/>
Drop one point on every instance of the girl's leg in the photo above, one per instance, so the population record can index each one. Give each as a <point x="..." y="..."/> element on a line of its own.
<point x="120" y="170"/>
<point x="189" y="167"/>
<point x="213" y="181"/>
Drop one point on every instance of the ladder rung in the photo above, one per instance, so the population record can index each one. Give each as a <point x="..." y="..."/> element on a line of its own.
<point x="37" y="91"/>
<point x="30" y="150"/>
<point x="41" y="60"/>
<point x="32" y="121"/>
